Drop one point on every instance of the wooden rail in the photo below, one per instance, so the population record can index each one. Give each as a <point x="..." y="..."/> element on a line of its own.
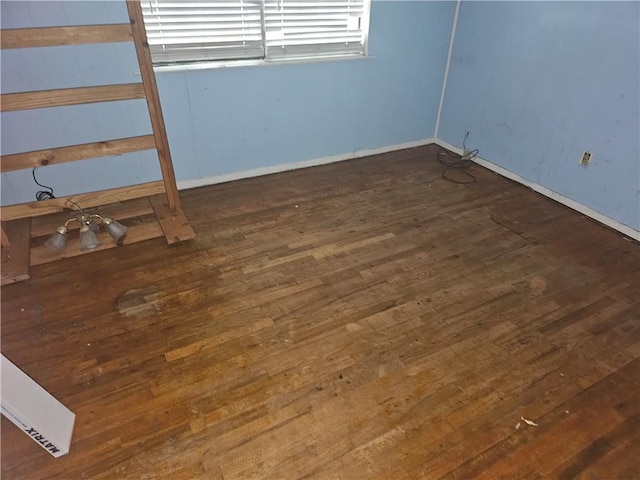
<point x="72" y="153"/>
<point x="54" y="36"/>
<point x="153" y="101"/>
<point x="10" y="102"/>
<point x="87" y="200"/>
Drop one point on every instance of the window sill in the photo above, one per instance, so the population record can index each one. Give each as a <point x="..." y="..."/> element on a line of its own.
<point x="254" y="63"/>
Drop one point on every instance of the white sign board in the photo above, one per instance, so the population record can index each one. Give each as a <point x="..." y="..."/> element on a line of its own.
<point x="34" y="410"/>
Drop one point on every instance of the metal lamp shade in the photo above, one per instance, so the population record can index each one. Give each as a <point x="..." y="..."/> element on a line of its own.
<point x="115" y="229"/>
<point x="88" y="239"/>
<point x="84" y="219"/>
<point x="58" y="240"/>
<point x="93" y="226"/>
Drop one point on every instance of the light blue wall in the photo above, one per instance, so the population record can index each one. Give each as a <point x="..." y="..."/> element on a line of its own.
<point x="535" y="84"/>
<point x="65" y="67"/>
<point x="223" y="121"/>
<point x="236" y="119"/>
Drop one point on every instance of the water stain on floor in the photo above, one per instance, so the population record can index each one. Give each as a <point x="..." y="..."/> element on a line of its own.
<point x="139" y="301"/>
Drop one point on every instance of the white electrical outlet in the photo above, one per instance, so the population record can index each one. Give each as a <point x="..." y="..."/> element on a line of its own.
<point x="585" y="159"/>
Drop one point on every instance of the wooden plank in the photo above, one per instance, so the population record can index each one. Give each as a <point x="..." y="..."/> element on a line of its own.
<point x="5" y="239"/>
<point x="15" y="258"/>
<point x="44" y="225"/>
<point x="145" y="229"/>
<point x="74" y="35"/>
<point x="86" y="200"/>
<point x="153" y="101"/>
<point x="10" y="102"/>
<point x="19" y="161"/>
<point x="174" y="222"/>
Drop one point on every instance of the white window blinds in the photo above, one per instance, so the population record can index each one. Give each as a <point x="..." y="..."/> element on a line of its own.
<point x="180" y="31"/>
<point x="187" y="31"/>
<point x="303" y="28"/>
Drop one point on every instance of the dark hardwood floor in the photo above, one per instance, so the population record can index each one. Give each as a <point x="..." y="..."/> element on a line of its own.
<point x="364" y="319"/>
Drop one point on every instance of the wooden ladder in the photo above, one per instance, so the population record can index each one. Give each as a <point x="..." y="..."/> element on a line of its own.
<point x="149" y="210"/>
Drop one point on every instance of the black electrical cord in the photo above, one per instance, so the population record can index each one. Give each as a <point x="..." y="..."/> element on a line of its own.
<point x="42" y="194"/>
<point x="463" y="163"/>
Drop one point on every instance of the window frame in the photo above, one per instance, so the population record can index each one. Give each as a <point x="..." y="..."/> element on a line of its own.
<point x="265" y="59"/>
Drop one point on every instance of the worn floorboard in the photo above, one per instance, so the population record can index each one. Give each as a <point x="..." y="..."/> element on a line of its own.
<point x="365" y="319"/>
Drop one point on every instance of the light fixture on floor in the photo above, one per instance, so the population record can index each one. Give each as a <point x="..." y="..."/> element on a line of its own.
<point x="89" y="226"/>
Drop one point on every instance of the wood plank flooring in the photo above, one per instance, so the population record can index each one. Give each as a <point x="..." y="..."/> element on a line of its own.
<point x="364" y="319"/>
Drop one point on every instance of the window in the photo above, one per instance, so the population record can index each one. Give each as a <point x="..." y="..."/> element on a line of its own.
<point x="196" y="31"/>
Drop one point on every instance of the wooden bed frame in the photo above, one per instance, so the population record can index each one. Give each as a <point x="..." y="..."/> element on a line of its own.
<point x="150" y="210"/>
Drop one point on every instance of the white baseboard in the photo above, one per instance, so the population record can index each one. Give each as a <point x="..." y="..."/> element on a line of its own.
<point x="283" y="167"/>
<point x="589" y="212"/>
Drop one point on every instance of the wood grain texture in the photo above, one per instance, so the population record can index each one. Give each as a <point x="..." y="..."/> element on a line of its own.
<point x="138" y="230"/>
<point x="137" y="215"/>
<point x="15" y="254"/>
<point x="10" y="102"/>
<point x="364" y="319"/>
<point x="5" y="239"/>
<point x="53" y="36"/>
<point x="42" y="226"/>
<point x="173" y="222"/>
<point x="72" y="153"/>
<point x="91" y="199"/>
<point x="153" y="101"/>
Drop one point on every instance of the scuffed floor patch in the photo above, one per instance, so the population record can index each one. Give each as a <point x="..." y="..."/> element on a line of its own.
<point x="139" y="301"/>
